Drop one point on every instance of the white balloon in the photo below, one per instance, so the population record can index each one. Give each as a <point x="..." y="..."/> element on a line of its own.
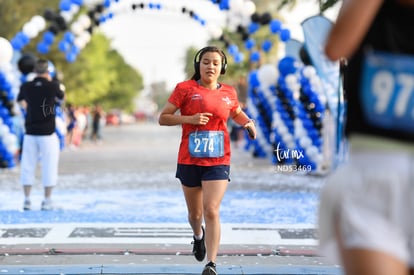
<point x="6" y="52"/>
<point x="297" y="123"/>
<point x="291" y="81"/>
<point x="291" y="144"/>
<point x="78" y="42"/>
<point x="249" y="8"/>
<point x="309" y="71"/>
<point x="39" y="22"/>
<point x="287" y="138"/>
<point x="267" y="75"/>
<point x="67" y="15"/>
<point x="283" y="130"/>
<point x="4" y="130"/>
<point x="246" y="21"/>
<point x="236" y="6"/>
<point x="85" y="21"/>
<point x="233" y="22"/>
<point x="30" y="29"/>
<point x="74" y="9"/>
<point x="61" y="125"/>
<point x="30" y="76"/>
<point x="10" y="140"/>
<point x="305" y="141"/>
<point x="300" y="132"/>
<point x="86" y="36"/>
<point x="312" y="151"/>
<point x="77" y="28"/>
<point x="214" y="31"/>
<point x="319" y="159"/>
<point x="7" y="68"/>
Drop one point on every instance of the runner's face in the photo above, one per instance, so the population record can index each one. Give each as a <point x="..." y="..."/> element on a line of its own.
<point x="210" y="67"/>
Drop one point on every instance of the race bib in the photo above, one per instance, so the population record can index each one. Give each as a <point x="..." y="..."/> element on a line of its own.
<point x="206" y="144"/>
<point x="388" y="91"/>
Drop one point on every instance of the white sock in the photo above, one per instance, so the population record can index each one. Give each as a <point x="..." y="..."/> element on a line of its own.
<point x="199" y="237"/>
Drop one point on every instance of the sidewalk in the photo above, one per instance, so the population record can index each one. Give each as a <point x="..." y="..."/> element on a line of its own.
<point x="127" y="181"/>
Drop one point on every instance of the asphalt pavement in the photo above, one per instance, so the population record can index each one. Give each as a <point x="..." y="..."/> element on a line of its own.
<point x="140" y="159"/>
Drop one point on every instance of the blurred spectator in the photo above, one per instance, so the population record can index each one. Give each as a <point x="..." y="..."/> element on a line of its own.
<point x="98" y="116"/>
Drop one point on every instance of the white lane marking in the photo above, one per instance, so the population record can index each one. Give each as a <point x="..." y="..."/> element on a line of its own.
<point x="154" y="233"/>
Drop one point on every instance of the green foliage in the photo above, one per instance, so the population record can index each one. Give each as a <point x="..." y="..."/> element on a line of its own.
<point x="99" y="74"/>
<point x="15" y="13"/>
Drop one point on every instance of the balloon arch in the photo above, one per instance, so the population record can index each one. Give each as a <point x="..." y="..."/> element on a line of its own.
<point x="295" y="102"/>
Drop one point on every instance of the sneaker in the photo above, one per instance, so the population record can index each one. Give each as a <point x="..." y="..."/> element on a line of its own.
<point x="199" y="248"/>
<point x="27" y="205"/>
<point x="47" y="205"/>
<point x="209" y="269"/>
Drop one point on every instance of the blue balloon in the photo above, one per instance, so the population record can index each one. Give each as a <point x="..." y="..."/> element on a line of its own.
<point x="3" y="113"/>
<point x="17" y="44"/>
<point x="69" y="37"/>
<point x="70" y="57"/>
<point x="233" y="49"/>
<point x="249" y="44"/>
<point x="2" y="79"/>
<point x="42" y="48"/>
<point x="253" y="27"/>
<point x="224" y="5"/>
<point x="255" y="56"/>
<point x="65" y="5"/>
<point x="19" y="41"/>
<point x="63" y="46"/>
<point x="254" y="79"/>
<point x="275" y="26"/>
<point x="48" y="37"/>
<point x="75" y="50"/>
<point x="7" y="86"/>
<point x="287" y="65"/>
<point x="239" y="58"/>
<point x="267" y="45"/>
<point x="284" y="35"/>
<point x="23" y="37"/>
<point x="51" y="68"/>
<point x="77" y="2"/>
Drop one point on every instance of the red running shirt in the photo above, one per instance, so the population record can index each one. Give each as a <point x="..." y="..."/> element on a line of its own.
<point x="192" y="98"/>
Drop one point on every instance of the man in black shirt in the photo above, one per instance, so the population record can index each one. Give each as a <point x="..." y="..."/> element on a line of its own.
<point x="40" y="141"/>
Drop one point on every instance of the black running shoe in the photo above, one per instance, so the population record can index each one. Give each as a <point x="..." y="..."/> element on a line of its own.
<point x="199" y="248"/>
<point x="209" y="269"/>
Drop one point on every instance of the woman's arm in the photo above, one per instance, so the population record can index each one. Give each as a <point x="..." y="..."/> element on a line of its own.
<point x="242" y="119"/>
<point x="169" y="117"/>
<point x="354" y="20"/>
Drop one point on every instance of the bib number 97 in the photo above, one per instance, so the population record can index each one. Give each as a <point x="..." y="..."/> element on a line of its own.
<point x="388" y="91"/>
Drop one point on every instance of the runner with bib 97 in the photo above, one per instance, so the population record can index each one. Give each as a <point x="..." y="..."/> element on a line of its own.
<point x="203" y="165"/>
<point x="367" y="204"/>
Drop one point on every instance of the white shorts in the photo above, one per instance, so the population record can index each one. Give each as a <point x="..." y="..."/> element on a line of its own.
<point x="44" y="149"/>
<point x="371" y="200"/>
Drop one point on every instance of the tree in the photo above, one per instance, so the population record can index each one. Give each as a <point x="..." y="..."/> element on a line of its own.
<point x="98" y="75"/>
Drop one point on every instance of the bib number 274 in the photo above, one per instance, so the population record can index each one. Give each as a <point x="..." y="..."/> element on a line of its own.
<point x="206" y="144"/>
